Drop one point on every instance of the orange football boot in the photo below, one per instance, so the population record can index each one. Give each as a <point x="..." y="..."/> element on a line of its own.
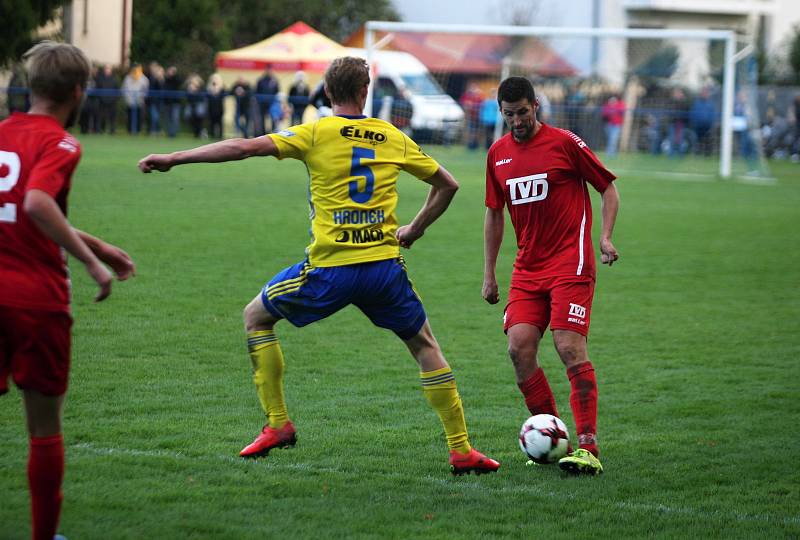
<point x="471" y="461"/>
<point x="270" y="438"/>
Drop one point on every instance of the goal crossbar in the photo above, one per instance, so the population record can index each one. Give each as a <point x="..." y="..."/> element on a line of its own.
<point x="728" y="37"/>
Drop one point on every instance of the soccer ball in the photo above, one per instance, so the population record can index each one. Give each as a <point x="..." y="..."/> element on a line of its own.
<point x="544" y="438"/>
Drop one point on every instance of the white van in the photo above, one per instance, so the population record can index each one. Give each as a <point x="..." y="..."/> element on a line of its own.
<point x="434" y="116"/>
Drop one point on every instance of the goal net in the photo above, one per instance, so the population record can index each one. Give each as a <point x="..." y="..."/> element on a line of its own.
<point x="677" y="102"/>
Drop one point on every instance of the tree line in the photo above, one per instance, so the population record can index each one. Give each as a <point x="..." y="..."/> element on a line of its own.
<point x="188" y="33"/>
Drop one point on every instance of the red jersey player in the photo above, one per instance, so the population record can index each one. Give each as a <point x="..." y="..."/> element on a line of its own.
<point x="541" y="174"/>
<point x="37" y="159"/>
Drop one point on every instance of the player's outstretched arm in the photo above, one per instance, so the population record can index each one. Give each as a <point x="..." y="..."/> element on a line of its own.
<point x="228" y="150"/>
<point x="46" y="214"/>
<point x="493" y="225"/>
<point x="443" y="189"/>
<point x="610" y="201"/>
<point x="119" y="261"/>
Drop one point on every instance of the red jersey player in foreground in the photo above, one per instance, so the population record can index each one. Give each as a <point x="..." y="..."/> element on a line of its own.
<point x="541" y="173"/>
<point x="37" y="159"/>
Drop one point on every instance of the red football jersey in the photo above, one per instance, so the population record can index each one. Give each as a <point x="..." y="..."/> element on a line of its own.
<point x="543" y="183"/>
<point x="35" y="153"/>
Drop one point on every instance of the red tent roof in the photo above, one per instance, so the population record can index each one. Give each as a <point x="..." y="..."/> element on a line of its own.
<point x="297" y="47"/>
<point x="474" y="54"/>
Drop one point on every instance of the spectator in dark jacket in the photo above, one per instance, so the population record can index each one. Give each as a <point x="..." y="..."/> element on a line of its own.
<point x="215" y="96"/>
<point x="172" y="100"/>
<point x="155" y="98"/>
<point x="196" y="97"/>
<point x="89" y="118"/>
<point x="702" y="116"/>
<point x="107" y="90"/>
<point x="320" y="100"/>
<point x="298" y="97"/>
<point x="267" y="89"/>
<point x="242" y="92"/>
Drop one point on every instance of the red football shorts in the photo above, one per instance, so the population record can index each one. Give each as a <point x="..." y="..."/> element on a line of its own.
<point x="564" y="303"/>
<point x="35" y="349"/>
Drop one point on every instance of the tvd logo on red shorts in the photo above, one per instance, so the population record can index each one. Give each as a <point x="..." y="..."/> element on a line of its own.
<point x="576" y="313"/>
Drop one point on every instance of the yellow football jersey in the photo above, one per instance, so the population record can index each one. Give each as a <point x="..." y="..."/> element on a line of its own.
<point x="353" y="164"/>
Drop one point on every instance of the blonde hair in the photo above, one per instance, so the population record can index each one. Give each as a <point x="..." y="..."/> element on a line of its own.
<point x="345" y="78"/>
<point x="54" y="69"/>
<point x="215" y="84"/>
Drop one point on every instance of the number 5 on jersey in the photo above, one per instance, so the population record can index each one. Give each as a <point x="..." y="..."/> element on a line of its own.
<point x="359" y="169"/>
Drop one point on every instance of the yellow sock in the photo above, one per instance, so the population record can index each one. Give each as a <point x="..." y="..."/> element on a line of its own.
<point x="267" y="358"/>
<point x="440" y="390"/>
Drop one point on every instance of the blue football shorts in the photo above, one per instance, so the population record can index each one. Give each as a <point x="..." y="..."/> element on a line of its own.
<point x="302" y="294"/>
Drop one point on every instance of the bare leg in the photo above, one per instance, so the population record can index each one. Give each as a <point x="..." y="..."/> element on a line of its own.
<point x="425" y="350"/>
<point x="523" y="347"/>
<point x="256" y="317"/>
<point x="571" y="347"/>
<point x="43" y="413"/>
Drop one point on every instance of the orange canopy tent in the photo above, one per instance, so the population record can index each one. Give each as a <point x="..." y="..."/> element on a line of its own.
<point x="298" y="47"/>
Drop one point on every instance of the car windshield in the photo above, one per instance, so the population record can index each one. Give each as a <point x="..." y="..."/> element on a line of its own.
<point x="422" y="84"/>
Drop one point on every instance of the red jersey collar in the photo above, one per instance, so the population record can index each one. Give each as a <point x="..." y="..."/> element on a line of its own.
<point x="16" y="115"/>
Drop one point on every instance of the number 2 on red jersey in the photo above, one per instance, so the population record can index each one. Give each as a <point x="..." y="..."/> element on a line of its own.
<point x="9" y="175"/>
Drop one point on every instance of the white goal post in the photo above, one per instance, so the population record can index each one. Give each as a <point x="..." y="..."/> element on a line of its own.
<point x="728" y="37"/>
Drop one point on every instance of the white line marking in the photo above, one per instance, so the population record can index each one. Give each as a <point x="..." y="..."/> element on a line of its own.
<point x="446" y="481"/>
<point x="697" y="177"/>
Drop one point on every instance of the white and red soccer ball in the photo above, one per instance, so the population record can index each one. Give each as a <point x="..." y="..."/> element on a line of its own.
<point x="544" y="438"/>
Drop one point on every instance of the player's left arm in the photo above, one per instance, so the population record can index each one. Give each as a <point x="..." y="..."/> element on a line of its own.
<point x="443" y="189"/>
<point x="589" y="167"/>
<point x="228" y="150"/>
<point x="610" y="204"/>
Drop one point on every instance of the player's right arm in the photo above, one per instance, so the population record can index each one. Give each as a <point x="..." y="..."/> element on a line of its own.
<point x="493" y="224"/>
<point x="227" y="150"/>
<point x="46" y="214"/>
<point x="492" y="239"/>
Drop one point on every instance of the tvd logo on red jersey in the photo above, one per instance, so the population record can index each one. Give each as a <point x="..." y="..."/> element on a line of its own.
<point x="526" y="189"/>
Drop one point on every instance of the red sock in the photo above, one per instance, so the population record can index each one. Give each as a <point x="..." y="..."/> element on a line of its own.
<point x="538" y="396"/>
<point x="45" y="473"/>
<point x="583" y="400"/>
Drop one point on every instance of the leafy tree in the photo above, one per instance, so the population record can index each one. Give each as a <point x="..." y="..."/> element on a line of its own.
<point x="19" y="19"/>
<point x="254" y="20"/>
<point x="659" y="66"/>
<point x="187" y="33"/>
<point x="794" y="53"/>
<point x="184" y="33"/>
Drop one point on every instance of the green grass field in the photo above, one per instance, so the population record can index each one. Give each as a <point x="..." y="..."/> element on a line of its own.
<point x="695" y="339"/>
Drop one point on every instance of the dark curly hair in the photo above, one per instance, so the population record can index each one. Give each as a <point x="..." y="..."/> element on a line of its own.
<point x="515" y="88"/>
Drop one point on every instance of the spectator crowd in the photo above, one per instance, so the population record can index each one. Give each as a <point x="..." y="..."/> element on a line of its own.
<point x="158" y="100"/>
<point x="672" y="121"/>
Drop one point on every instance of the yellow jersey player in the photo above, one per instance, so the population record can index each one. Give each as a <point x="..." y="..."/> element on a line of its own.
<point x="353" y="164"/>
